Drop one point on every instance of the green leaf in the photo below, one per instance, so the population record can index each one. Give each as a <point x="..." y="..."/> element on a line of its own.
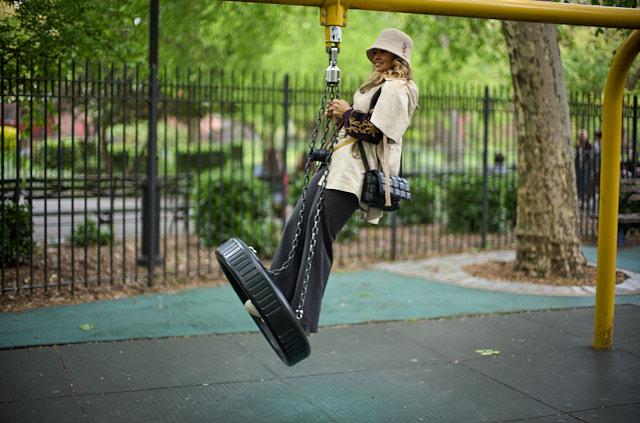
<point x="488" y="352"/>
<point x="86" y="326"/>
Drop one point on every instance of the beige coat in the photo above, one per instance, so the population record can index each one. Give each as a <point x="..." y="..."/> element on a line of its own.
<point x="391" y="115"/>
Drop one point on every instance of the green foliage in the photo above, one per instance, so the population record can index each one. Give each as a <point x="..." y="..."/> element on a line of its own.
<point x="296" y="184"/>
<point x="230" y="33"/>
<point x="587" y="54"/>
<point x="242" y="36"/>
<point x="229" y="203"/>
<point x="249" y="36"/>
<point x="8" y="138"/>
<point x="71" y="29"/>
<point x="453" y="49"/>
<point x="86" y="157"/>
<point x="422" y="209"/>
<point x="65" y="154"/>
<point x="16" y="234"/>
<point x="351" y="230"/>
<point x="619" y="3"/>
<point x="40" y="113"/>
<point x="89" y="234"/>
<point x="464" y="203"/>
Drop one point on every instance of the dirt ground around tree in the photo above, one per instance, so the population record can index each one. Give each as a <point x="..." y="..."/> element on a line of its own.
<point x="503" y="271"/>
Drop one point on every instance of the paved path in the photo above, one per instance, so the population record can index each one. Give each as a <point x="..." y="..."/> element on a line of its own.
<point x="351" y="298"/>
<point x="54" y="219"/>
<point x="438" y="352"/>
<point x="535" y="367"/>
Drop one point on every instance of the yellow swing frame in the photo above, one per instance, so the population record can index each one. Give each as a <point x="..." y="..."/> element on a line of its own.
<point x="334" y="13"/>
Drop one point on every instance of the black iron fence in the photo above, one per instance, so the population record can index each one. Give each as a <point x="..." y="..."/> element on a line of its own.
<point x="230" y="157"/>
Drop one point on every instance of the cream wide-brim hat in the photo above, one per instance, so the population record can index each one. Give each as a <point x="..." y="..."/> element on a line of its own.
<point x="393" y="41"/>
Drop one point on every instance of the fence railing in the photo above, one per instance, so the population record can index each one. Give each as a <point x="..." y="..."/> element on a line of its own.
<point x="230" y="149"/>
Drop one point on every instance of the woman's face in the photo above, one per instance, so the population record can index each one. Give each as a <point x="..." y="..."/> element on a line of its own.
<point x="382" y="60"/>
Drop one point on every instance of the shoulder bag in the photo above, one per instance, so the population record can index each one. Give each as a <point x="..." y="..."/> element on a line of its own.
<point x="376" y="192"/>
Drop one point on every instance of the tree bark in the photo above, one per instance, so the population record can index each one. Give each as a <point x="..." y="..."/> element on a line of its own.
<point x="632" y="80"/>
<point x="547" y="229"/>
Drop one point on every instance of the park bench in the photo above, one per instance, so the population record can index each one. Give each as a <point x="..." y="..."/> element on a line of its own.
<point x="74" y="187"/>
<point x="629" y="207"/>
<point x="91" y="186"/>
<point x="174" y="190"/>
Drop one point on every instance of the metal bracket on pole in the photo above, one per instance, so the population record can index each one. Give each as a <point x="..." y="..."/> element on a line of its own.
<point x="333" y="16"/>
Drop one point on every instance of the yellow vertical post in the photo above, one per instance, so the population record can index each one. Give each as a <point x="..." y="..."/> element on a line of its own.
<point x="609" y="191"/>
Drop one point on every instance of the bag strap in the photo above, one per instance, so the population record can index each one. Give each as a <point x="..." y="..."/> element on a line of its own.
<point x="387" y="186"/>
<point x="364" y="156"/>
<point x="372" y="105"/>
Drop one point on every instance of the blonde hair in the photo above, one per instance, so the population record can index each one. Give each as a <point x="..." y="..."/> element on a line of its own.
<point x="400" y="70"/>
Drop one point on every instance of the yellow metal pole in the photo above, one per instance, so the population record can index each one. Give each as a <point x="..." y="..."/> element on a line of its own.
<point x="515" y="10"/>
<point x="609" y="191"/>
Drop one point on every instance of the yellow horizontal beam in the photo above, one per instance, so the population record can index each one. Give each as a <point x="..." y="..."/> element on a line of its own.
<point x="515" y="10"/>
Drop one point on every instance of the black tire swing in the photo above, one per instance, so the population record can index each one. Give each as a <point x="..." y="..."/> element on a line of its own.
<point x="251" y="281"/>
<point x="246" y="274"/>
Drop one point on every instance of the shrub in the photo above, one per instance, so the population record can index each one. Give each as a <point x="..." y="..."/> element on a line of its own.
<point x="16" y="234"/>
<point x="464" y="203"/>
<point x="422" y="209"/>
<point x="89" y="233"/>
<point x="230" y="204"/>
<point x="66" y="154"/>
<point x="351" y="230"/>
<point x="296" y="185"/>
<point x="9" y="138"/>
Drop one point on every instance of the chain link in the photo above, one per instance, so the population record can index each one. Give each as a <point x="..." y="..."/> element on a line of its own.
<point x="334" y="93"/>
<point x="328" y="139"/>
<point x="307" y="178"/>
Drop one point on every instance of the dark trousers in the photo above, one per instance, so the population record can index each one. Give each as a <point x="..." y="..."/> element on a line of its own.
<point x="337" y="209"/>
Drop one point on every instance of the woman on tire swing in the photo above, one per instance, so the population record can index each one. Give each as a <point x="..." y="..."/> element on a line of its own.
<point x="382" y="108"/>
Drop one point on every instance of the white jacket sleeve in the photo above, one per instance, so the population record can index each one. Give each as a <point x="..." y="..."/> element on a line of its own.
<point x="393" y="111"/>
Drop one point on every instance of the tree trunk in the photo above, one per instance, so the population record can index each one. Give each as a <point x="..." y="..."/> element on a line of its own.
<point x="547" y="230"/>
<point x="632" y="80"/>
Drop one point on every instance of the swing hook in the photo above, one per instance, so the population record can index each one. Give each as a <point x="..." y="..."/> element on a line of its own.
<point x="333" y="16"/>
<point x="333" y="71"/>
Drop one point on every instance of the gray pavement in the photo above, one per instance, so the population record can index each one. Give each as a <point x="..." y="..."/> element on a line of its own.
<point x="54" y="219"/>
<point x="526" y="367"/>
<point x="498" y="363"/>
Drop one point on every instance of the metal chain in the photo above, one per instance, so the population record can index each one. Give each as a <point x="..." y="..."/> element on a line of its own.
<point x="331" y="90"/>
<point x="307" y="177"/>
<point x="334" y="93"/>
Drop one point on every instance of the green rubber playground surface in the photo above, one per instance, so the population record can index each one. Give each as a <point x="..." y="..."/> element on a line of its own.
<point x="351" y="298"/>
